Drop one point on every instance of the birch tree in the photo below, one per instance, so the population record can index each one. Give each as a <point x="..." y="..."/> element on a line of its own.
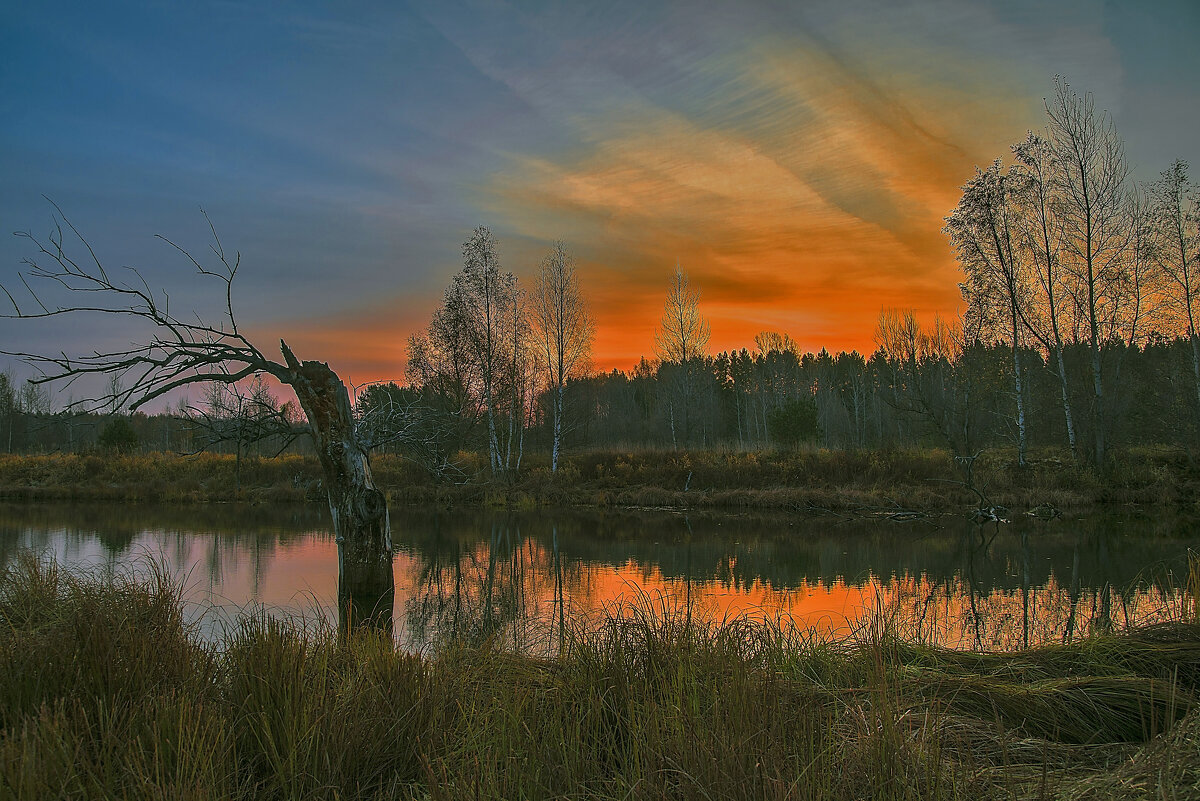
<point x="8" y="407"/>
<point x="981" y="232"/>
<point x="1140" y="288"/>
<point x="520" y="376"/>
<point x="481" y="296"/>
<point x="1176" y="213"/>
<point x="1041" y="236"/>
<point x="681" y="339"/>
<point x="564" y="331"/>
<point x="1090" y="185"/>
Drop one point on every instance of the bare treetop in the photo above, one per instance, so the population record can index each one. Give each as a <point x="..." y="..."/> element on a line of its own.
<point x="180" y="350"/>
<point x="683" y="333"/>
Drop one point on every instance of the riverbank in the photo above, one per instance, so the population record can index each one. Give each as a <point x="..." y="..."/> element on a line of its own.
<point x="805" y="481"/>
<point x="108" y="694"/>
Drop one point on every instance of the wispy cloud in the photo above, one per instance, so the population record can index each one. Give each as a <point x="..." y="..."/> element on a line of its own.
<point x="796" y="158"/>
<point x="803" y="193"/>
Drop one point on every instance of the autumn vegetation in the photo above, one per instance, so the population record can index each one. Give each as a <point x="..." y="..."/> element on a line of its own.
<point x="110" y="694"/>
<point x="807" y="481"/>
<point x="1071" y="379"/>
<point x="1077" y="347"/>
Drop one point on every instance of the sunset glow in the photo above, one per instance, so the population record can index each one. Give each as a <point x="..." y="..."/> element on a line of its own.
<point x="796" y="161"/>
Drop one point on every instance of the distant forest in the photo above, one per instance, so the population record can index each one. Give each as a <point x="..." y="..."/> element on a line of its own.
<point x="1078" y="333"/>
<point x="962" y="401"/>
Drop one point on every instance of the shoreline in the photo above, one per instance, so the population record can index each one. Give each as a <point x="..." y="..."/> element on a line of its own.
<point x="110" y="693"/>
<point x="805" y="482"/>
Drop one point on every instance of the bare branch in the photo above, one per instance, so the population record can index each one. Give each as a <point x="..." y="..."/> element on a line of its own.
<point x="176" y="353"/>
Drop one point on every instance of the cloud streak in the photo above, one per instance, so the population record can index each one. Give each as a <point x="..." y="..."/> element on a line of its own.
<point x="796" y="158"/>
<point x="809" y="197"/>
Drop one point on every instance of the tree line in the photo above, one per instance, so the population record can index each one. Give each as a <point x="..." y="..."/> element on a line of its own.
<point x="1078" y="331"/>
<point x="1062" y="252"/>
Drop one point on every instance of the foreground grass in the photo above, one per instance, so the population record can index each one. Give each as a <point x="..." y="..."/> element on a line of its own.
<point x="108" y="695"/>
<point x="806" y="480"/>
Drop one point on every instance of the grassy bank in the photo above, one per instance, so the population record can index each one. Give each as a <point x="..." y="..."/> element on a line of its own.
<point x="107" y="695"/>
<point x="813" y="480"/>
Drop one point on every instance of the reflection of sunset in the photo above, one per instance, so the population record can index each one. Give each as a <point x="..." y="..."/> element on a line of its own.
<point x="819" y="606"/>
<point x="500" y="575"/>
<point x="525" y="597"/>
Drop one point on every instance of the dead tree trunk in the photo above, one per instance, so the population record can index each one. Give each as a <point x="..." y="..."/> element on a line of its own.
<point x="366" y="590"/>
<point x="181" y="352"/>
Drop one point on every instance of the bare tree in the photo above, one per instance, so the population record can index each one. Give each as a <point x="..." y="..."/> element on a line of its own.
<point x="775" y="342"/>
<point x="520" y="375"/>
<point x="396" y="418"/>
<point x="564" y="332"/>
<point x="474" y="359"/>
<point x="1138" y="299"/>
<point x="441" y="363"/>
<point x="8" y="407"/>
<point x="681" y="339"/>
<point x="1176" y="213"/>
<point x="923" y="373"/>
<point x="683" y="334"/>
<point x="481" y="296"/>
<point x="1041" y="237"/>
<point x="1090" y="185"/>
<point x="242" y="414"/>
<point x="981" y="232"/>
<point x="178" y="350"/>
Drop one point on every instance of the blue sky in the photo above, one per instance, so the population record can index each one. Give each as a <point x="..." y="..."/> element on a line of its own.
<point x="796" y="158"/>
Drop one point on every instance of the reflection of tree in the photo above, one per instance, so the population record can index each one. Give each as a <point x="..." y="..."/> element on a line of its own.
<point x="117" y="540"/>
<point x="1025" y="586"/>
<point x="221" y="536"/>
<point x="1074" y="592"/>
<point x="492" y="591"/>
<point x="516" y="578"/>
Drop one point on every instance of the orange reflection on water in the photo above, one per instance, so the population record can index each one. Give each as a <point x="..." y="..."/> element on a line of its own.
<point x="825" y="607"/>
<point x="525" y="588"/>
<point x="522" y="595"/>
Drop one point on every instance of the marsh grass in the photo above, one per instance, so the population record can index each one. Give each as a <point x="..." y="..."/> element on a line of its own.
<point x="806" y="479"/>
<point x="1191" y="608"/>
<point x="108" y="694"/>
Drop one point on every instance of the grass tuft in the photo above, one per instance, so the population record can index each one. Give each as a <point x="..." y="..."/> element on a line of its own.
<point x="107" y="694"/>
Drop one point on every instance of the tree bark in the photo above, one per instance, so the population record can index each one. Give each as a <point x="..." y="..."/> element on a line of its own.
<point x="361" y="526"/>
<point x="558" y="412"/>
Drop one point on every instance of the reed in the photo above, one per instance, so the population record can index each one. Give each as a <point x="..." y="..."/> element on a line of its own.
<point x="108" y="694"/>
<point x="813" y="479"/>
<point x="1191" y="602"/>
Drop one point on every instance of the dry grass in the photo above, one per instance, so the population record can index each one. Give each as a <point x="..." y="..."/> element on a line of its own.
<point x="795" y="480"/>
<point x="108" y="695"/>
<point x="1168" y="767"/>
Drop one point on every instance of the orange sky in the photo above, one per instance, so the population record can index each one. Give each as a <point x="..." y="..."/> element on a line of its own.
<point x="807" y="217"/>
<point x="809" y="229"/>
<point x="805" y="209"/>
<point x="796" y="159"/>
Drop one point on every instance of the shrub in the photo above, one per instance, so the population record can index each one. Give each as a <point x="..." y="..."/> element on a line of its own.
<point x="794" y="422"/>
<point x="118" y="436"/>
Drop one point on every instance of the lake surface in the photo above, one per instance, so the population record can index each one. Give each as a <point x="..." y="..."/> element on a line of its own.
<point x="524" y="576"/>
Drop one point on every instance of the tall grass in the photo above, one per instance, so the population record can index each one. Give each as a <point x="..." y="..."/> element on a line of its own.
<point x="107" y="694"/>
<point x="1192" y="596"/>
<point x="803" y="479"/>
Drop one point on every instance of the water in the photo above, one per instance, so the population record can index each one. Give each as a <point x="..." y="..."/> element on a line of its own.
<point x="524" y="576"/>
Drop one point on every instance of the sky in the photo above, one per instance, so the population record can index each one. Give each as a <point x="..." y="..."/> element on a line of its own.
<point x="795" y="158"/>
